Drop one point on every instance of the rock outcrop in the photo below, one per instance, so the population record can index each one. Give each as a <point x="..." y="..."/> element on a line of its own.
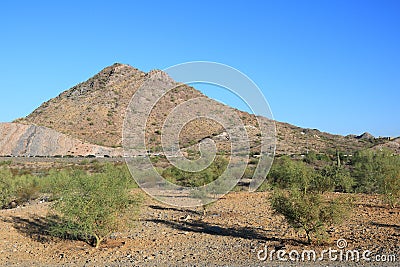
<point x="30" y="140"/>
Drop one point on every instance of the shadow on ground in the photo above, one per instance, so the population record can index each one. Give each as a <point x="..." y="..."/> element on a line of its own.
<point x="37" y="228"/>
<point x="386" y="225"/>
<point x="41" y="229"/>
<point x="217" y="230"/>
<point x="194" y="212"/>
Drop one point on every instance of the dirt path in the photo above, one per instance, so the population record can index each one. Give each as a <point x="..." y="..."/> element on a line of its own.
<point x="234" y="231"/>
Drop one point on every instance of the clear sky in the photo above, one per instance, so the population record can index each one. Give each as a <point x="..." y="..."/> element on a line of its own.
<point x="327" y="64"/>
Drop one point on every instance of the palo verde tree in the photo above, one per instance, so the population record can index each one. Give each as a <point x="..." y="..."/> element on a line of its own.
<point x="92" y="206"/>
<point x="302" y="203"/>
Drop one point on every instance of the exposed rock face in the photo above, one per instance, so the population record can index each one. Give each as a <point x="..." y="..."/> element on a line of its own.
<point x="30" y="140"/>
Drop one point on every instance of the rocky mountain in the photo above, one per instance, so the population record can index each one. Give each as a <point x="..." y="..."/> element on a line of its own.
<point x="30" y="140"/>
<point x="93" y="112"/>
<point x="366" y="136"/>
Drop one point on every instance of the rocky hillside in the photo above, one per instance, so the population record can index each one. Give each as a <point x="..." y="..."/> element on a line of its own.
<point x="393" y="145"/>
<point x="93" y="111"/>
<point x="30" y="140"/>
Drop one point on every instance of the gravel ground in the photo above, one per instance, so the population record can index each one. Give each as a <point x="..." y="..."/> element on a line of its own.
<point x="235" y="229"/>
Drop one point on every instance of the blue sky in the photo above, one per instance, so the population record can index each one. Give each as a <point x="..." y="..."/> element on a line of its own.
<point x="331" y="65"/>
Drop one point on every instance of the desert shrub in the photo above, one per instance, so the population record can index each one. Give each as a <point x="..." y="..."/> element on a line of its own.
<point x="92" y="206"/>
<point x="17" y="188"/>
<point x="323" y="183"/>
<point x="4" y="163"/>
<point x="84" y="162"/>
<point x="26" y="188"/>
<point x="333" y="178"/>
<point x="390" y="187"/>
<point x="366" y="169"/>
<point x="194" y="179"/>
<point x="389" y="179"/>
<point x="7" y="189"/>
<point x="378" y="172"/>
<point x="56" y="182"/>
<point x="324" y="157"/>
<point x="308" y="211"/>
<point x="311" y="157"/>
<point x="264" y="187"/>
<point x="288" y="173"/>
<point x="298" y="197"/>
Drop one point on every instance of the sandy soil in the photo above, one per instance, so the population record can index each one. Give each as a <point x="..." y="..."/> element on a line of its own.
<point x="235" y="229"/>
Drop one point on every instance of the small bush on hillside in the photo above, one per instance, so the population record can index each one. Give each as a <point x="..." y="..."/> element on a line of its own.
<point x="311" y="157"/>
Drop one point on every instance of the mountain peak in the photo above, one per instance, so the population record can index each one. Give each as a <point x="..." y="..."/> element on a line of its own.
<point x="366" y="136"/>
<point x="161" y="76"/>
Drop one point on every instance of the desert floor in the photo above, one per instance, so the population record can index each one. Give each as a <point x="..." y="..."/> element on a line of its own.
<point x="235" y="229"/>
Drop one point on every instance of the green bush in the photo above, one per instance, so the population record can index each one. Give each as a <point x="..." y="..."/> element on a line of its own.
<point x="378" y="172"/>
<point x="288" y="173"/>
<point x="18" y="189"/>
<point x="5" y="163"/>
<point x="366" y="169"/>
<point x="92" y="206"/>
<point x="302" y="202"/>
<point x="311" y="157"/>
<point x="389" y="179"/>
<point x="308" y="211"/>
<point x="333" y="178"/>
<point x="7" y="187"/>
<point x="55" y="182"/>
<point x="195" y="179"/>
<point x="26" y="188"/>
